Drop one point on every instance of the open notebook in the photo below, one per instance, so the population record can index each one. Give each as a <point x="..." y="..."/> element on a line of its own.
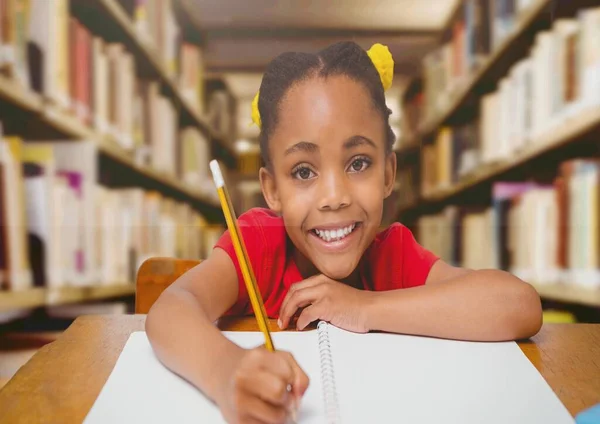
<point x="354" y="378"/>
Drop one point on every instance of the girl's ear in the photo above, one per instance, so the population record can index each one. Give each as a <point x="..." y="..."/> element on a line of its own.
<point x="390" y="173"/>
<point x="269" y="189"/>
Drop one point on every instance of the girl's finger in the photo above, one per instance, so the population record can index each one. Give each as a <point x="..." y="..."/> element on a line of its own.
<point x="301" y="380"/>
<point x="298" y="299"/>
<point x="309" y="282"/>
<point x="308" y="315"/>
<point x="255" y="406"/>
<point x="270" y="387"/>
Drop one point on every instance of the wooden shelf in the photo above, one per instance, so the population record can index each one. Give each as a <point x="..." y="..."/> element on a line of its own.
<point x="23" y="299"/>
<point x="21" y="97"/>
<point x="408" y="148"/>
<point x="497" y="58"/>
<point x="40" y="296"/>
<point x="569" y="293"/>
<point x="572" y="130"/>
<point x="70" y="126"/>
<point x="66" y="295"/>
<point x="147" y="59"/>
<point x="405" y="207"/>
<point x="66" y="123"/>
<point x="568" y="132"/>
<point x="110" y="148"/>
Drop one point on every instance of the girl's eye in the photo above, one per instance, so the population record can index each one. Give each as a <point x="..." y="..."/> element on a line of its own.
<point x="303" y="173"/>
<point x="359" y="165"/>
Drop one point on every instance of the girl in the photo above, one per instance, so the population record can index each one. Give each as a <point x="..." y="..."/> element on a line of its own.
<point x="317" y="252"/>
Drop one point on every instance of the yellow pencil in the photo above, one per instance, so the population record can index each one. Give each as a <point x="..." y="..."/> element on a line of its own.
<point x="244" y="261"/>
<point x="242" y="255"/>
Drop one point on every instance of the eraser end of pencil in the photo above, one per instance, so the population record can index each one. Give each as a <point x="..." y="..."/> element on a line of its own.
<point x="216" y="172"/>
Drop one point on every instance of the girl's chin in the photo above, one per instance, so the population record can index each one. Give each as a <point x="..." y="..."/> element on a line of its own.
<point x="337" y="273"/>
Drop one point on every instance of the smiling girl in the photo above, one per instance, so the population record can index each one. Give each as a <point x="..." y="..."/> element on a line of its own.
<point x="318" y="252"/>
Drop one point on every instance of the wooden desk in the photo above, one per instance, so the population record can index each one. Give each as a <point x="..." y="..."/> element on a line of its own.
<point x="61" y="382"/>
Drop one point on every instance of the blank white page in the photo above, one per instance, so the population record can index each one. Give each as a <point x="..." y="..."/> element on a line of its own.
<point x="408" y="379"/>
<point x="141" y="389"/>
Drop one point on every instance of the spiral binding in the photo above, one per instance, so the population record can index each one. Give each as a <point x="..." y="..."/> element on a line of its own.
<point x="327" y="375"/>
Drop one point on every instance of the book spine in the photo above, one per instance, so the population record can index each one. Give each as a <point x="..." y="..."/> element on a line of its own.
<point x="3" y="232"/>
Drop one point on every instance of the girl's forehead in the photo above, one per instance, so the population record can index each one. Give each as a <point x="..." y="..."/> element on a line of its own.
<point x="336" y="88"/>
<point x="336" y="102"/>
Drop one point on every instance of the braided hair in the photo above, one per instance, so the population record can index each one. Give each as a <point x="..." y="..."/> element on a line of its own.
<point x="344" y="58"/>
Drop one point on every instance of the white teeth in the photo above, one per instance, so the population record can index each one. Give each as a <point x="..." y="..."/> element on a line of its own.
<point x="329" y="235"/>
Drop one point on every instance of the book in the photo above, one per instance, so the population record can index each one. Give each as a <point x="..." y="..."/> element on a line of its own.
<point x="18" y="268"/>
<point x="45" y="199"/>
<point x="3" y="235"/>
<point x="442" y="233"/>
<point x="354" y="378"/>
<point x="503" y="195"/>
<point x="477" y="226"/>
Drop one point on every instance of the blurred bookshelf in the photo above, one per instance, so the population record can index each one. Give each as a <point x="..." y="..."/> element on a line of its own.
<point x="499" y="154"/>
<point x="108" y="123"/>
<point x="525" y="23"/>
<point x="40" y="297"/>
<point x="109" y="116"/>
<point x="569" y="294"/>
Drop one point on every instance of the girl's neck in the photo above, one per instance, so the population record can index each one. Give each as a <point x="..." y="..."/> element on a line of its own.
<point x="307" y="269"/>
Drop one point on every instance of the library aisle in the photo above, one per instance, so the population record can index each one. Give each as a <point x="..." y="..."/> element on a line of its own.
<point x="110" y="111"/>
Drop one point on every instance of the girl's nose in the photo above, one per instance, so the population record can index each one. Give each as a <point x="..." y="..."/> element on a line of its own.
<point x="335" y="193"/>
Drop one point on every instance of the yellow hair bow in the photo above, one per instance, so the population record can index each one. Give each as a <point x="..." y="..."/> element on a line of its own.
<point x="384" y="63"/>
<point x="255" y="112"/>
<point x="380" y="56"/>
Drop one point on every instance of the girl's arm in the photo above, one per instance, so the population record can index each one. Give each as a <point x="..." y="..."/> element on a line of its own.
<point x="483" y="305"/>
<point x="454" y="303"/>
<point x="247" y="385"/>
<point x="180" y="323"/>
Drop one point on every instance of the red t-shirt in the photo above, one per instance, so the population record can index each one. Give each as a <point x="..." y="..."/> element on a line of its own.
<point x="394" y="260"/>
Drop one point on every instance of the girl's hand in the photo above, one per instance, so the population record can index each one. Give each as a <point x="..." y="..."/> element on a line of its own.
<point x="325" y="299"/>
<point x="257" y="391"/>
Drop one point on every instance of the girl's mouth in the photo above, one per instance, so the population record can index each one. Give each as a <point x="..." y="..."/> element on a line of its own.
<point x="335" y="234"/>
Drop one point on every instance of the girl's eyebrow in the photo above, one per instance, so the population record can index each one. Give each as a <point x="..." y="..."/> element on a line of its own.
<point x="358" y="140"/>
<point x="307" y="146"/>
<point x="302" y="146"/>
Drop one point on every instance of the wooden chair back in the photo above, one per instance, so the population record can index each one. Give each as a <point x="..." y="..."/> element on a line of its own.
<point x="154" y="276"/>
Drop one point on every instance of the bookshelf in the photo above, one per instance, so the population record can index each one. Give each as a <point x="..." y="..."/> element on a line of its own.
<point x="66" y="295"/>
<point x="527" y="195"/>
<point x="71" y="127"/>
<point x="14" y="93"/>
<point x="494" y="65"/>
<point x="136" y="205"/>
<point x="40" y="296"/>
<point x="408" y="149"/>
<point x="112" y="149"/>
<point x="577" y="130"/>
<point x="96" y="13"/>
<point x="569" y="294"/>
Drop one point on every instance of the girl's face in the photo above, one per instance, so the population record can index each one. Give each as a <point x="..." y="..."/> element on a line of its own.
<point x="330" y="171"/>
